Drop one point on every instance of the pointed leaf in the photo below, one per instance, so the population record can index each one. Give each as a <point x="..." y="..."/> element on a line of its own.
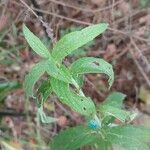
<point x="80" y="104"/>
<point x="74" y="40"/>
<point x="33" y="76"/>
<point x="35" y="43"/>
<point x="120" y="114"/>
<point x="93" y="65"/>
<point x="73" y="138"/>
<point x="115" y="99"/>
<point x="113" y="105"/>
<point x="38" y="70"/>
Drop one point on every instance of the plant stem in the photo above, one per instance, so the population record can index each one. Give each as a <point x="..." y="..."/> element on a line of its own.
<point x="82" y="94"/>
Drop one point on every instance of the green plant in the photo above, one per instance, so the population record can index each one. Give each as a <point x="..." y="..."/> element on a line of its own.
<point x="100" y="130"/>
<point x="81" y="51"/>
<point x="144" y="3"/>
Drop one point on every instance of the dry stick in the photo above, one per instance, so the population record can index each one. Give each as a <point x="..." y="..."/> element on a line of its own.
<point x="86" y="9"/>
<point x="87" y="23"/>
<point x="93" y="86"/>
<point x="48" y="29"/>
<point x="139" y="67"/>
<point x="146" y="62"/>
<point x="134" y="13"/>
<point x="65" y="110"/>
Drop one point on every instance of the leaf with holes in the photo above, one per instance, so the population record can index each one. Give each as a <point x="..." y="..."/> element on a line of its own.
<point x="92" y="65"/>
<point x="79" y="80"/>
<point x="35" y="43"/>
<point x="80" y="104"/>
<point x="75" y="40"/>
<point x="73" y="138"/>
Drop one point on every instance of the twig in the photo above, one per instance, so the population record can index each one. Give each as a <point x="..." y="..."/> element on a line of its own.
<point x="31" y="10"/>
<point x="86" y="9"/>
<point x="49" y="31"/>
<point x="146" y="62"/>
<point x="65" y="110"/>
<point x="14" y="113"/>
<point x="129" y="35"/>
<point x="139" y="67"/>
<point x="120" y="54"/>
<point x="93" y="86"/>
<point x="88" y="23"/>
<point x="35" y="4"/>
<point x="62" y="17"/>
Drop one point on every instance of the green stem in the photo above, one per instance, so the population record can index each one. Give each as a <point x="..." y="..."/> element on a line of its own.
<point x="82" y="94"/>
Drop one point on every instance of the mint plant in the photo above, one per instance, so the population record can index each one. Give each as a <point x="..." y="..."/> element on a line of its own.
<point x="100" y="131"/>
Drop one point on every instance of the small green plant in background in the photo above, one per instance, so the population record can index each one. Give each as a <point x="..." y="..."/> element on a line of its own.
<point x="99" y="132"/>
<point x="144" y="3"/>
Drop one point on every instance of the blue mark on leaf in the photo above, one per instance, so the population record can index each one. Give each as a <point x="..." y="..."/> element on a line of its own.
<point x="93" y="124"/>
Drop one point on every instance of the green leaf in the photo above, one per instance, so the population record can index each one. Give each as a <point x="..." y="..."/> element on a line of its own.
<point x="120" y="114"/>
<point x="73" y="138"/>
<point x="79" y="80"/>
<point x="61" y="73"/>
<point x="6" y="87"/>
<point x="9" y="85"/>
<point x="38" y="70"/>
<point x="115" y="99"/>
<point x="33" y="76"/>
<point x="35" y="43"/>
<point x="75" y="40"/>
<point x="112" y="106"/>
<point x="92" y="65"/>
<point x="129" y="137"/>
<point x="102" y="145"/>
<point x="45" y="90"/>
<point x="80" y="104"/>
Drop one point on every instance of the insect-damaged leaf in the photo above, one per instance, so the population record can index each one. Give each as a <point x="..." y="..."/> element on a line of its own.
<point x="74" y="40"/>
<point x="80" y="104"/>
<point x="93" y="65"/>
